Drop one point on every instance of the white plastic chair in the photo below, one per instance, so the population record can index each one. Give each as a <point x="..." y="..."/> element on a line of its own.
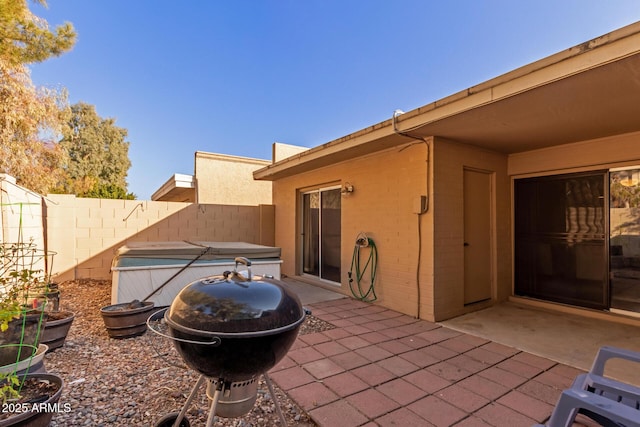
<point x="605" y="400"/>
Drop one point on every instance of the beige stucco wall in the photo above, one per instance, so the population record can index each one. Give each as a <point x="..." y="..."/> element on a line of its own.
<point x="224" y="179"/>
<point x="280" y="151"/>
<point x="386" y="185"/>
<point x="603" y="153"/>
<point x="85" y="233"/>
<point x="449" y="160"/>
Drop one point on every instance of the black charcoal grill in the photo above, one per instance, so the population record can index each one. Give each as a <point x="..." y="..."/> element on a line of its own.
<point x="231" y="329"/>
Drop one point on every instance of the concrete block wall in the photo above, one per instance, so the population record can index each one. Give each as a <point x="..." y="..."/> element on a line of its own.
<point x="86" y="233"/>
<point x="21" y="221"/>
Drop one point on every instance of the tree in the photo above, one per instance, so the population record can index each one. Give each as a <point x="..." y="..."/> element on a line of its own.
<point x="97" y="155"/>
<point x="26" y="38"/>
<point x="109" y="191"/>
<point x="31" y="119"/>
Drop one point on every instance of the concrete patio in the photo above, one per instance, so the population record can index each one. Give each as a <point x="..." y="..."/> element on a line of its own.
<point x="379" y="367"/>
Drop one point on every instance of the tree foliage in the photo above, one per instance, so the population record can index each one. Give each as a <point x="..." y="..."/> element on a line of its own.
<point x="92" y="158"/>
<point x="31" y="120"/>
<point x="97" y="155"/>
<point x="26" y="38"/>
<point x="109" y="191"/>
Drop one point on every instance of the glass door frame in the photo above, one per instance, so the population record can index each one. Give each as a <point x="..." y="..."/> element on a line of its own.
<point x="301" y="234"/>
<point x="621" y="216"/>
<point x="560" y="253"/>
<point x="622" y="299"/>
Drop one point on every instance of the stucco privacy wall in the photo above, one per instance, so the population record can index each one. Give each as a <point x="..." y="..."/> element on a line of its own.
<point x="225" y="179"/>
<point x="450" y="160"/>
<point x="386" y="185"/>
<point x="85" y="233"/>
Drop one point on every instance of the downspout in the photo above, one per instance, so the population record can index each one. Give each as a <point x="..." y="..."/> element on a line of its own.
<point x="421" y="212"/>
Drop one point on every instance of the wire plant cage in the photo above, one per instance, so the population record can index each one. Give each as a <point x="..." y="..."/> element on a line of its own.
<point x="25" y="268"/>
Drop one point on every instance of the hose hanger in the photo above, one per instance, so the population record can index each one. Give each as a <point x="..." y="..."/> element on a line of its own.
<point x="363" y="292"/>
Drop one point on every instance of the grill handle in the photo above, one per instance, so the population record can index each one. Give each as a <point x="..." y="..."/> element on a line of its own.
<point x="247" y="263"/>
<point x="215" y="341"/>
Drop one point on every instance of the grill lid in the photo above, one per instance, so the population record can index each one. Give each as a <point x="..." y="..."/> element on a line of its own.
<point x="232" y="304"/>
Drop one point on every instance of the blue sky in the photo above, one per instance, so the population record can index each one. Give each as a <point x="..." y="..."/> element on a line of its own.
<point x="233" y="77"/>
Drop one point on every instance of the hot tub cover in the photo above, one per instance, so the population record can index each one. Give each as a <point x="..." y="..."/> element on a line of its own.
<point x="190" y="250"/>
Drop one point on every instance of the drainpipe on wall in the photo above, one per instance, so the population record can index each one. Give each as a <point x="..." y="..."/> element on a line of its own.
<point x="423" y="206"/>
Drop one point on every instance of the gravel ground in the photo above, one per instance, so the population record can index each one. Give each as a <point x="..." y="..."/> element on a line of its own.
<point x="137" y="381"/>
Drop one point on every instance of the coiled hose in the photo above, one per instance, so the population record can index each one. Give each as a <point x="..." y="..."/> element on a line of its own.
<point x="364" y="242"/>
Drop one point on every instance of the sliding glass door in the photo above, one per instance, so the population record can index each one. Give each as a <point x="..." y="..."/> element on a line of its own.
<point x="560" y="239"/>
<point x="321" y="233"/>
<point x="577" y="239"/>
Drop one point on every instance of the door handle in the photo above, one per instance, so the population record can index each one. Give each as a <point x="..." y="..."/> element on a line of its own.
<point x="466" y="244"/>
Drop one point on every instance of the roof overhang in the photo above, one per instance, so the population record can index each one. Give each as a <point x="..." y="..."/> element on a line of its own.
<point x="179" y="188"/>
<point x="589" y="91"/>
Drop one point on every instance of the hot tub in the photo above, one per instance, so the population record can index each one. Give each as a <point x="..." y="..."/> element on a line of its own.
<point x="162" y="269"/>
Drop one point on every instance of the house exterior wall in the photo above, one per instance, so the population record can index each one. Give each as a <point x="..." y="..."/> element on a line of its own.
<point x="85" y="233"/>
<point x="602" y="153"/>
<point x="280" y="151"/>
<point x="449" y="161"/>
<point x="386" y="185"/>
<point x="223" y="179"/>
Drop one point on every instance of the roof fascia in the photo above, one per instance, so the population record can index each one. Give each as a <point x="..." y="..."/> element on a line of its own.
<point x="601" y="50"/>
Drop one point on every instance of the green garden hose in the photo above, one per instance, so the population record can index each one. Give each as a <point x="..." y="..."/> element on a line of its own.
<point x="362" y="243"/>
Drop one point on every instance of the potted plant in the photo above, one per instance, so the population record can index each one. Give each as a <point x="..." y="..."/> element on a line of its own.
<point x="30" y="399"/>
<point x="21" y="319"/>
<point x="26" y="291"/>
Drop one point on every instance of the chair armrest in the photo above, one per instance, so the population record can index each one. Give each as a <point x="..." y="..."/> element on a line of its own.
<point x="612" y="389"/>
<point x="605" y="353"/>
<point x="571" y="400"/>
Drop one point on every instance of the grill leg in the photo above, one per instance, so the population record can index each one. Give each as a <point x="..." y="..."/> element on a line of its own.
<point x="214" y="403"/>
<point x="275" y="399"/>
<point x="185" y="408"/>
